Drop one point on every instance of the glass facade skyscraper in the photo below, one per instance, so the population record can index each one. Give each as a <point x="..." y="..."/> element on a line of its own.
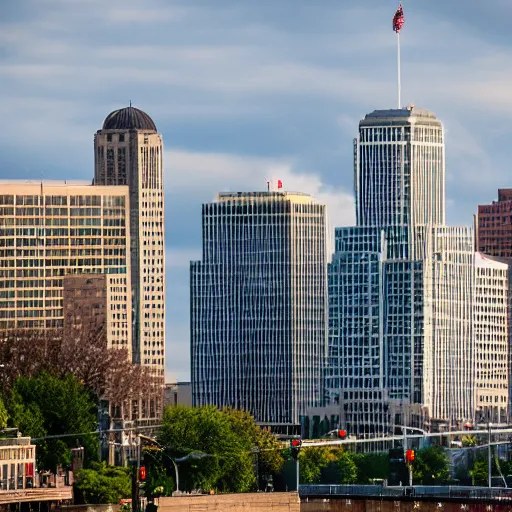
<point x="401" y="345"/>
<point x="259" y="305"/>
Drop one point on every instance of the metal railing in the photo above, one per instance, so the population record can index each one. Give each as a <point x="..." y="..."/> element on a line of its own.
<point x="418" y="491"/>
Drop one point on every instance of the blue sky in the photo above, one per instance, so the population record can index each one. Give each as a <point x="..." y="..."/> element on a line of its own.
<point x="248" y="90"/>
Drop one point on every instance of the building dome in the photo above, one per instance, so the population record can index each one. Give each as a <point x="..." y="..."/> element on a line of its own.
<point x="129" y="118"/>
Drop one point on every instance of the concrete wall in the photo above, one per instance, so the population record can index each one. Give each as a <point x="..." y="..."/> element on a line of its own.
<point x="256" y="502"/>
<point x="351" y="505"/>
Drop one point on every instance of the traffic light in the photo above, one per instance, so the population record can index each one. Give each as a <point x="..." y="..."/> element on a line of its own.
<point x="409" y="456"/>
<point x="342" y="434"/>
<point x="142" y="473"/>
<point x="295" y="445"/>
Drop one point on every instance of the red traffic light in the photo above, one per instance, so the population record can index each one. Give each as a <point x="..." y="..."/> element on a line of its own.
<point x="142" y="473"/>
<point x="342" y="434"/>
<point x="409" y="455"/>
<point x="296" y="443"/>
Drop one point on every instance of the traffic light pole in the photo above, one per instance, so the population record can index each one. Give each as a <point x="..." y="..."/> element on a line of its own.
<point x="135" y="488"/>
<point x="298" y="472"/>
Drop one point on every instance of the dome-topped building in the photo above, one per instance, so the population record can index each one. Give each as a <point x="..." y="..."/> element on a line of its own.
<point x="128" y="151"/>
<point x="129" y="118"/>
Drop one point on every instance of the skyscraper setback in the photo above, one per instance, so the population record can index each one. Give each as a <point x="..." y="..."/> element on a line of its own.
<point x="258" y="305"/>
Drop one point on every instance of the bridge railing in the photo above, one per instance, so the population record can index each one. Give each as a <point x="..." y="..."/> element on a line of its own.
<point x="420" y="491"/>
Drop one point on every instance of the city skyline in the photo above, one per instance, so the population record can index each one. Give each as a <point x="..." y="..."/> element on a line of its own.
<point x="270" y="92"/>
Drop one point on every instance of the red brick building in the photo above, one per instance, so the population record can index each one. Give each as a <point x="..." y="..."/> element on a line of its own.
<point x="493" y="226"/>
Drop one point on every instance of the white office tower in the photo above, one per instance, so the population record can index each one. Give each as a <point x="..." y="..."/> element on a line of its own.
<point x="259" y="306"/>
<point x="128" y="150"/>
<point x="401" y="345"/>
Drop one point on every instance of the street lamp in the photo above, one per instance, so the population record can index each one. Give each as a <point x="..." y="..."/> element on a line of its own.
<point x="192" y="455"/>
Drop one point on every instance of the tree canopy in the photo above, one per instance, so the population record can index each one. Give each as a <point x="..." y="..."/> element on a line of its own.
<point x="102" y="484"/>
<point x="45" y="405"/>
<point x="3" y="415"/>
<point x="222" y="446"/>
<point x="327" y="465"/>
<point x="431" y="466"/>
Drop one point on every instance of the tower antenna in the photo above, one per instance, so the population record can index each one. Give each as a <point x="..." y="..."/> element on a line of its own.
<point x="398" y="22"/>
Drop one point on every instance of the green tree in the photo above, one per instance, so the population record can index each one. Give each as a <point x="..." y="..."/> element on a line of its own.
<point x="371" y="466"/>
<point x="102" y="484"/>
<point x="312" y="461"/>
<point x="479" y="473"/>
<point x="3" y="415"/>
<point x="346" y="467"/>
<point x="221" y="447"/>
<point x="431" y="466"/>
<point x="327" y="466"/>
<point x="158" y="471"/>
<point x="45" y="405"/>
<point x="269" y="455"/>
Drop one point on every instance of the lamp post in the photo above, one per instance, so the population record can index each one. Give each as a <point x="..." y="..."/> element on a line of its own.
<point x="193" y="455"/>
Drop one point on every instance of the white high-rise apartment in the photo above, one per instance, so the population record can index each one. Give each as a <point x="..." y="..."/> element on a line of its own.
<point x="259" y="306"/>
<point x="53" y="230"/>
<point x="491" y="309"/>
<point x="401" y="344"/>
<point x="128" y="150"/>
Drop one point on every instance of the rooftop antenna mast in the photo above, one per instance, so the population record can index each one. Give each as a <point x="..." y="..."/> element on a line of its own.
<point x="398" y="22"/>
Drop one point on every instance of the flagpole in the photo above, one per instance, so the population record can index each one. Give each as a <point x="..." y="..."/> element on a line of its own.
<point x="398" y="69"/>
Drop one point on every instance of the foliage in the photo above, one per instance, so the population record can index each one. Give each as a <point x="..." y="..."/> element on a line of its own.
<point x="3" y="415"/>
<point x="371" y="466"/>
<point x="431" y="466"/>
<point x="327" y="465"/>
<point x="46" y="405"/>
<point x="102" y="484"/>
<point x="479" y="473"/>
<point x="225" y="442"/>
<point x="346" y="467"/>
<point x="158" y="470"/>
<point x="313" y="460"/>
<point x="107" y="372"/>
<point x="269" y="456"/>
<point x="469" y="441"/>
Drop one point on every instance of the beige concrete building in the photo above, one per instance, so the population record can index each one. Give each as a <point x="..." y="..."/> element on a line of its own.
<point x="50" y="230"/>
<point x="128" y="150"/>
<point x="491" y="324"/>
<point x="96" y="303"/>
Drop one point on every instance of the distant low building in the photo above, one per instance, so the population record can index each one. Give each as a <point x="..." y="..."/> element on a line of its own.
<point x="19" y="481"/>
<point x="178" y="393"/>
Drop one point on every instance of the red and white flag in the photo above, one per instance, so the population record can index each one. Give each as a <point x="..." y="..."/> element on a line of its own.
<point x="279" y="184"/>
<point x="398" y="19"/>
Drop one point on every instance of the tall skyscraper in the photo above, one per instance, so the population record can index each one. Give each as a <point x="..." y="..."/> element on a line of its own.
<point x="128" y="150"/>
<point x="401" y="342"/>
<point x="258" y="305"/>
